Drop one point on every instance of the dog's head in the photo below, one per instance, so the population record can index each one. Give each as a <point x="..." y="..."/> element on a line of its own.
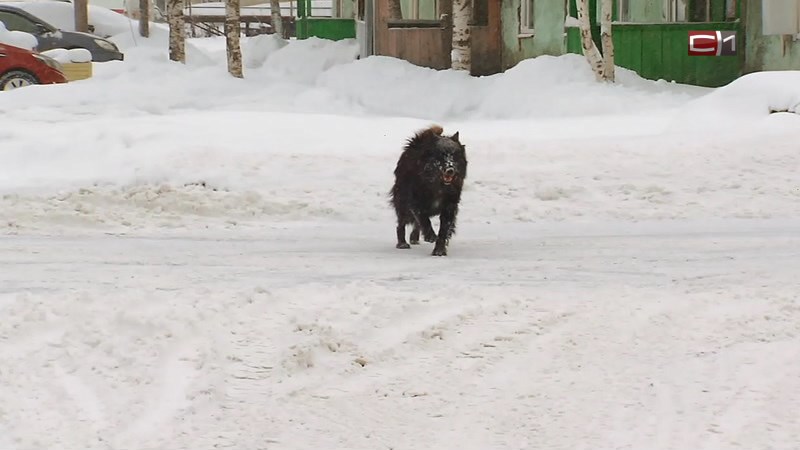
<point x="445" y="160"/>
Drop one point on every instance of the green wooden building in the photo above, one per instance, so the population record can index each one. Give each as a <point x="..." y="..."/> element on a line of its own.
<point x="650" y="36"/>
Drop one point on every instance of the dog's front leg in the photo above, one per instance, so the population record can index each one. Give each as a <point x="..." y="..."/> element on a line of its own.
<point x="446" y="223"/>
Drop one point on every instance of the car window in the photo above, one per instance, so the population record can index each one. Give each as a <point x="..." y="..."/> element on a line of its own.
<point x="15" y="22"/>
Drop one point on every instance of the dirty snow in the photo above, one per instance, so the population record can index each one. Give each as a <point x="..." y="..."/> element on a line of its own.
<point x="194" y="261"/>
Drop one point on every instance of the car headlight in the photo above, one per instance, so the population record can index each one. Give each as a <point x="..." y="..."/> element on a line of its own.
<point x="50" y="62"/>
<point x="106" y="45"/>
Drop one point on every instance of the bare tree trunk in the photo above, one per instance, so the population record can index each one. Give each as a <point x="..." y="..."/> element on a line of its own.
<point x="81" y="9"/>
<point x="395" y="10"/>
<point x="589" y="49"/>
<point x="144" y="18"/>
<point x="461" y="55"/>
<point x="177" y="38"/>
<point x="607" y="41"/>
<point x="233" y="29"/>
<point x="277" y="19"/>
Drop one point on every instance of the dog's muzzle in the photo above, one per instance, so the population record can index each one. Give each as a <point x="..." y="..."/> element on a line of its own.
<point x="448" y="175"/>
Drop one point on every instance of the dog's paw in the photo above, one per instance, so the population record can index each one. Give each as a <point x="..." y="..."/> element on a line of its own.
<point x="439" y="252"/>
<point x="430" y="237"/>
<point x="403" y="245"/>
<point x="414" y="241"/>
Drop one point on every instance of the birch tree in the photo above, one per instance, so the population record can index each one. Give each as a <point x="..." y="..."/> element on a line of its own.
<point x="461" y="55"/>
<point x="233" y="29"/>
<point x="602" y="65"/>
<point x="277" y="20"/>
<point x="177" y="33"/>
<point x="606" y="41"/>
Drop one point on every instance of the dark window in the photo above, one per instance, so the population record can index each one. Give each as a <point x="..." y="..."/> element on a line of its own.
<point x="15" y="22"/>
<point x="699" y="11"/>
<point x="480" y="12"/>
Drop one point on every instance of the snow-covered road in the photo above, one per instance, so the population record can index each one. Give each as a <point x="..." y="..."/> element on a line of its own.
<point x="193" y="261"/>
<point x="646" y="336"/>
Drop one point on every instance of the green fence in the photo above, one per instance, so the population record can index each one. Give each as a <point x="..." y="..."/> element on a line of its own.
<point x="660" y="51"/>
<point x="333" y="28"/>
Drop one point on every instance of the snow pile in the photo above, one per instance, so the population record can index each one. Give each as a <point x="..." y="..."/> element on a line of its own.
<point x="17" y="38"/>
<point x="316" y="75"/>
<point x="305" y="60"/>
<point x="753" y="97"/>
<point x="542" y="87"/>
<point x="62" y="16"/>
<point x="74" y="55"/>
<point x="257" y="49"/>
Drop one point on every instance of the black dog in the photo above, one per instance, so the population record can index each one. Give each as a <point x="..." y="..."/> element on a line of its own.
<point x="428" y="181"/>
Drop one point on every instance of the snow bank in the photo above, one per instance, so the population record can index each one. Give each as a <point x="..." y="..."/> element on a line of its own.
<point x="61" y="15"/>
<point x="256" y="50"/>
<point x="64" y="56"/>
<point x="316" y="75"/>
<point x="17" y="38"/>
<point x="746" y="100"/>
<point x="542" y="87"/>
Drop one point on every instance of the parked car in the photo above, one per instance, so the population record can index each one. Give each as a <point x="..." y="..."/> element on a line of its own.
<point x="20" y="67"/>
<point x="50" y="37"/>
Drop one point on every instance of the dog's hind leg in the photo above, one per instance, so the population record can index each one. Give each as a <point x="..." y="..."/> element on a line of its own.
<point x="423" y="223"/>
<point x="402" y="220"/>
<point x="427" y="230"/>
<point x="401" y="237"/>
<point x="414" y="238"/>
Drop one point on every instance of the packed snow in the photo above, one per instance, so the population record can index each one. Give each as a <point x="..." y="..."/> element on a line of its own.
<point x="191" y="260"/>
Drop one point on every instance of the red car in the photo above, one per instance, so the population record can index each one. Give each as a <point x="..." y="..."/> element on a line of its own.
<point x="20" y="67"/>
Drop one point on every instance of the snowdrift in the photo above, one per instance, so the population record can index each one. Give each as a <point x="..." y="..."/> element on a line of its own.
<point x="320" y="76"/>
<point x="743" y="102"/>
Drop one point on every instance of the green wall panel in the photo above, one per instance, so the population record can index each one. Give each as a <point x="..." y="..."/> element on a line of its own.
<point x="326" y="28"/>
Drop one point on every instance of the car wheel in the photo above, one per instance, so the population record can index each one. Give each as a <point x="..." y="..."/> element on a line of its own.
<point x="16" y="79"/>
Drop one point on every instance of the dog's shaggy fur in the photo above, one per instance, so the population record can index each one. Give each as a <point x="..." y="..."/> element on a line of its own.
<point x="428" y="180"/>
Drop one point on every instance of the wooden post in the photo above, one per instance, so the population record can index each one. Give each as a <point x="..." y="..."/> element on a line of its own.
<point x="144" y="18"/>
<point x="81" y="8"/>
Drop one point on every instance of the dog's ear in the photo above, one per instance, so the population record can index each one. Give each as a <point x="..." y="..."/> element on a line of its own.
<point x="455" y="137"/>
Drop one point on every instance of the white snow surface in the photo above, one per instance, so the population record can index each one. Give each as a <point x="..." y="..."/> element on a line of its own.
<point x="190" y="260"/>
